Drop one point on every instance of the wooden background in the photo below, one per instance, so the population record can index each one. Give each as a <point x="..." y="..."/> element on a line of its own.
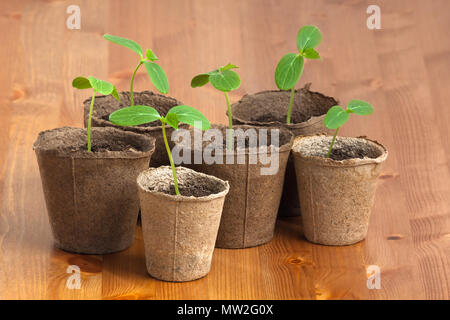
<point x="402" y="69"/>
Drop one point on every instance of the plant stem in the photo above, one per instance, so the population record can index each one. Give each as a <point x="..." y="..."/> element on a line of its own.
<point x="89" y="123"/>
<point x="332" y="143"/>
<point x="230" y="123"/>
<point x="174" y="172"/>
<point x="291" y="102"/>
<point x="131" y="83"/>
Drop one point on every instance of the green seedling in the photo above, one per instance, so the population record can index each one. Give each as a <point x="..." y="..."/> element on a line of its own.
<point x="137" y="115"/>
<point x="290" y="67"/>
<point x="99" y="86"/>
<point x="337" y="116"/>
<point x="155" y="72"/>
<point x="225" y="80"/>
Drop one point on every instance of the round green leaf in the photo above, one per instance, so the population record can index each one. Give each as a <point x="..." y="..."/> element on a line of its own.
<point x="103" y="87"/>
<point x="151" y="55"/>
<point x="225" y="81"/>
<point x="189" y="116"/>
<point x="200" y="80"/>
<point x="130" y="44"/>
<point x="157" y="76"/>
<point x="134" y="116"/>
<point x="288" y="71"/>
<point x="310" y="53"/>
<point x="360" y="107"/>
<point x="81" y="83"/>
<point x="308" y="37"/>
<point x="172" y="120"/>
<point x="335" y="117"/>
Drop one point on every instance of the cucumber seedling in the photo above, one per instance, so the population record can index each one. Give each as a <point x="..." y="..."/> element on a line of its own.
<point x="155" y="72"/>
<point x="225" y="80"/>
<point x="290" y="67"/>
<point x="137" y="115"/>
<point x="99" y="86"/>
<point x="337" y="116"/>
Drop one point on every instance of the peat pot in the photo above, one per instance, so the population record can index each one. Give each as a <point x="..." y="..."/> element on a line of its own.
<point x="180" y="231"/>
<point x="250" y="209"/>
<point x="269" y="108"/>
<point x="105" y="105"/>
<point x="337" y="193"/>
<point x="91" y="197"/>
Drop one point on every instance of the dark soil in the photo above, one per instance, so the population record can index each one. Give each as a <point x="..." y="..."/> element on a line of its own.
<point x="342" y="154"/>
<point x="187" y="191"/>
<point x="105" y="146"/>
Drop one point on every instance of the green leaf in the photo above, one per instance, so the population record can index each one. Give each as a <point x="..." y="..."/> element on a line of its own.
<point x="288" y="71"/>
<point x="134" y="116"/>
<point x="189" y="116"/>
<point x="310" y="53"/>
<point x="81" y="83"/>
<point x="157" y="76"/>
<point x="172" y="120"/>
<point x="228" y="67"/>
<point x="115" y="94"/>
<point x="200" y="80"/>
<point x="308" y="37"/>
<point x="151" y="55"/>
<point x="335" y="117"/>
<point x="103" y="87"/>
<point x="360" y="107"/>
<point x="225" y="81"/>
<point x="130" y="44"/>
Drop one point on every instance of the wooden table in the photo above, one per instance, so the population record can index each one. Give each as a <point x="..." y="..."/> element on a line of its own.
<point x="402" y="69"/>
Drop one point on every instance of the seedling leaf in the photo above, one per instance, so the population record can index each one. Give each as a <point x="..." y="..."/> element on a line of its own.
<point x="130" y="44"/>
<point x="336" y="117"/>
<point x="225" y="81"/>
<point x="134" y="116"/>
<point x="189" y="116"/>
<point x="172" y="120"/>
<point x="103" y="87"/>
<point x="310" y="53"/>
<point x="360" y="107"/>
<point x="157" y="76"/>
<point x="308" y="37"/>
<point x="200" y="80"/>
<point x="81" y="83"/>
<point x="288" y="71"/>
<point x="228" y="67"/>
<point x="151" y="55"/>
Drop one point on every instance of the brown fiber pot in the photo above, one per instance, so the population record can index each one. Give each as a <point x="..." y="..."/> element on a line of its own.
<point x="91" y="197"/>
<point x="337" y="194"/>
<point x="250" y="210"/>
<point x="269" y="108"/>
<point x="180" y="231"/>
<point x="105" y="105"/>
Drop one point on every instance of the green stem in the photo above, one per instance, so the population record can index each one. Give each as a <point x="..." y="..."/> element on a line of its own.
<point x="291" y="102"/>
<point x="174" y="172"/>
<point x="332" y="143"/>
<point x="89" y="122"/>
<point x="131" y="83"/>
<point x="230" y="123"/>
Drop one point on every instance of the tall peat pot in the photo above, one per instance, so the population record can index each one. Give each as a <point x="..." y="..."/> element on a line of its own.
<point x="180" y="231"/>
<point x="91" y="197"/>
<point x="269" y="108"/>
<point x="105" y="105"/>
<point x="337" y="193"/>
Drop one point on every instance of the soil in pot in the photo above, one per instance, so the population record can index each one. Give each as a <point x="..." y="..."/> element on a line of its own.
<point x="105" y="105"/>
<point x="337" y="194"/>
<point x="250" y="209"/>
<point x="91" y="197"/>
<point x="180" y="231"/>
<point x="269" y="108"/>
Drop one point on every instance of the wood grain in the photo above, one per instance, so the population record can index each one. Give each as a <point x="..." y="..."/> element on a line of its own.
<point x="402" y="69"/>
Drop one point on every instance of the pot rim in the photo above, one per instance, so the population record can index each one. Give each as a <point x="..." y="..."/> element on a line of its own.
<point x="182" y="198"/>
<point x="304" y="124"/>
<point x="107" y="123"/>
<point x="327" y="162"/>
<point x="84" y="154"/>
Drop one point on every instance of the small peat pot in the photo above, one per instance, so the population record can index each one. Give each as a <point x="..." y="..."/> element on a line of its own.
<point x="269" y="108"/>
<point x="337" y="193"/>
<point x="91" y="197"/>
<point x="105" y="105"/>
<point x="250" y="209"/>
<point x="180" y="230"/>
